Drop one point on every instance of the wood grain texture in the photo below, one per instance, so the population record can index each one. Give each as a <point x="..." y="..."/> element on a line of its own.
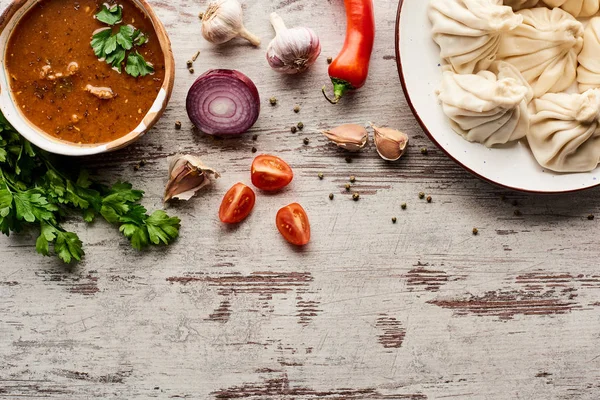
<point x="421" y="309"/>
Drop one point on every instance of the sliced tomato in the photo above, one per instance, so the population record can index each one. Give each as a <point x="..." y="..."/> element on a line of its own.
<point x="237" y="204"/>
<point x="293" y="225"/>
<point x="270" y="173"/>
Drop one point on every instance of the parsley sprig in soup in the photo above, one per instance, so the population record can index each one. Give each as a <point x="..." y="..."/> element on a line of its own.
<point x="85" y="71"/>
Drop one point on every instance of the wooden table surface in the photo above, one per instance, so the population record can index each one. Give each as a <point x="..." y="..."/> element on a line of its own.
<point x="420" y="309"/>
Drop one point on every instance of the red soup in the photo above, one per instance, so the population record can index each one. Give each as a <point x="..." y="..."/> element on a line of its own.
<point x="77" y="92"/>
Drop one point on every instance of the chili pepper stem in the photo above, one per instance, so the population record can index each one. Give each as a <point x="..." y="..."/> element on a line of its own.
<point x="340" y="87"/>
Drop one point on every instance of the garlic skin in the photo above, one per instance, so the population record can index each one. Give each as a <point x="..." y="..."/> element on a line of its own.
<point x="391" y="144"/>
<point x="292" y="50"/>
<point x="223" y="21"/>
<point x="187" y="175"/>
<point x="351" y="137"/>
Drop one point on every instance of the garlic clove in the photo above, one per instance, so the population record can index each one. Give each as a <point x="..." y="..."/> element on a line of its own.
<point x="351" y="137"/>
<point x="223" y="21"/>
<point x="391" y="144"/>
<point x="187" y="175"/>
<point x="292" y="50"/>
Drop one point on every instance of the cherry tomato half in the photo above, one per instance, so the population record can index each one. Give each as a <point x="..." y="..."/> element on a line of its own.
<point x="270" y="173"/>
<point x="237" y="204"/>
<point x="293" y="225"/>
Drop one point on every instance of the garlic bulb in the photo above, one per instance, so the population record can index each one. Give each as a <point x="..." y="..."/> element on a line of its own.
<point x="351" y="137"/>
<point x="391" y="144"/>
<point x="292" y="50"/>
<point x="223" y="21"/>
<point x="187" y="175"/>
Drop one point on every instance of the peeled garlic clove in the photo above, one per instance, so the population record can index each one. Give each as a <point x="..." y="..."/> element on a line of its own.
<point x="187" y="175"/>
<point x="351" y="137"/>
<point x="223" y="21"/>
<point x="391" y="144"/>
<point x="292" y="50"/>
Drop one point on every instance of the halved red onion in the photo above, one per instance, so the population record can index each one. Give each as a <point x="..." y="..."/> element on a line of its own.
<point x="223" y="102"/>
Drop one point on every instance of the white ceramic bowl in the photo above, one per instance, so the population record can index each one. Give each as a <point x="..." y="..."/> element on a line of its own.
<point x="513" y="167"/>
<point x="8" y="20"/>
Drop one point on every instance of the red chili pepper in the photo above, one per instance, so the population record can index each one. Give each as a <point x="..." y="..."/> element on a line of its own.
<point x="350" y="68"/>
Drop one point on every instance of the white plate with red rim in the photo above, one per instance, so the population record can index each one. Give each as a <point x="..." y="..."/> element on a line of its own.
<point x="513" y="166"/>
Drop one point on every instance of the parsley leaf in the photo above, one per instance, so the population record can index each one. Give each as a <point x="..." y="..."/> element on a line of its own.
<point x="125" y="36"/>
<point x="35" y="191"/>
<point x="68" y="247"/>
<point x="99" y="41"/>
<point x="6" y="202"/>
<point x="32" y="206"/>
<point x="114" y="48"/>
<point x="162" y="228"/>
<point x="47" y="235"/>
<point x="140" y="38"/>
<point x="116" y="58"/>
<point x="110" y="16"/>
<point x="138" y="235"/>
<point x="110" y="45"/>
<point x="118" y="201"/>
<point x="137" y="66"/>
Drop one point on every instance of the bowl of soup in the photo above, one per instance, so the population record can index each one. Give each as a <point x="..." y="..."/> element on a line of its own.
<point x="82" y="77"/>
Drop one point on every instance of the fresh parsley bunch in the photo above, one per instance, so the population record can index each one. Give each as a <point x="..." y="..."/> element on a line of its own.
<point x="34" y="191"/>
<point x="112" y="47"/>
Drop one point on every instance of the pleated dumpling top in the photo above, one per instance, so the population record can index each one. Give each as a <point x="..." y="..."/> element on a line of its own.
<point x="468" y="31"/>
<point x="544" y="48"/>
<point x="489" y="107"/>
<point x="565" y="131"/>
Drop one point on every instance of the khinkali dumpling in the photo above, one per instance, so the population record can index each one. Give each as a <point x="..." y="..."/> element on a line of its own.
<point x="577" y="8"/>
<point x="468" y="31"/>
<point x="544" y="48"/>
<point x="565" y="133"/>
<point x="521" y="4"/>
<point x="588" y="72"/>
<point x="488" y="108"/>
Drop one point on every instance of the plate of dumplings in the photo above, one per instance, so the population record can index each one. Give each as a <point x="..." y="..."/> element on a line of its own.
<point x="509" y="89"/>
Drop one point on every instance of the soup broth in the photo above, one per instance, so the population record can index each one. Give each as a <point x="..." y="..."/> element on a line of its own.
<point x="62" y="87"/>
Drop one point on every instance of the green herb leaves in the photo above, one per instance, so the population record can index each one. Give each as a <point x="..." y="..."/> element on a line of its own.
<point x="110" y="16"/>
<point x="137" y="66"/>
<point x="120" y="205"/>
<point x="34" y="191"/>
<point x="100" y="42"/>
<point x="112" y="47"/>
<point x="67" y="245"/>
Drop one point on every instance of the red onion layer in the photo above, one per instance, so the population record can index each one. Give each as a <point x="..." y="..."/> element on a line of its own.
<point x="223" y="102"/>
